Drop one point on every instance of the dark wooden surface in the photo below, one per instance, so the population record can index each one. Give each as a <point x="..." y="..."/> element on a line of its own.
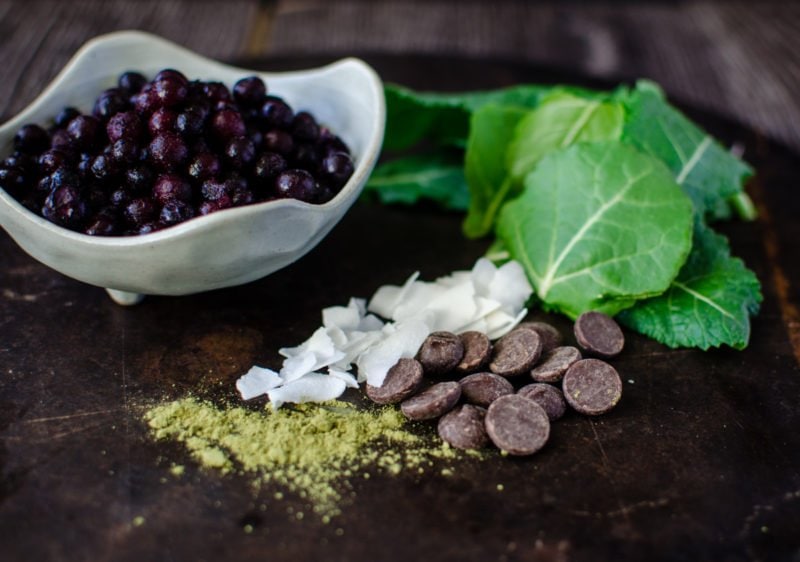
<point x="699" y="462"/>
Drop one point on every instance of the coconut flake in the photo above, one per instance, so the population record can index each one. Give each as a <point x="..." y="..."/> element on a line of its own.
<point x="257" y="381"/>
<point x="348" y="378"/>
<point x="387" y="297"/>
<point x="313" y="387"/>
<point x="405" y="341"/>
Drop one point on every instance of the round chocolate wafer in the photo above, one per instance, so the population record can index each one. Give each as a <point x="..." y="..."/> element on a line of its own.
<point x="551" y="337"/>
<point x="432" y="402"/>
<point x="482" y="389"/>
<point x="554" y="364"/>
<point x="517" y="425"/>
<point x="477" y="352"/>
<point x="516" y="353"/>
<point x="592" y="386"/>
<point x="401" y="382"/>
<point x="599" y="334"/>
<point x="463" y="427"/>
<point x="547" y="396"/>
<point x="440" y="353"/>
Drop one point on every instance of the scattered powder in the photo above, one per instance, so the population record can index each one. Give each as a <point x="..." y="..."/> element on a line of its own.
<point x="311" y="449"/>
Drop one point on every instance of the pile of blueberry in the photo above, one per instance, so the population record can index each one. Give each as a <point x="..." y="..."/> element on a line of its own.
<point x="154" y="154"/>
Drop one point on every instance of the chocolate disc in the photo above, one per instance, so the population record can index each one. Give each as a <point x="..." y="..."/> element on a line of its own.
<point x="482" y="389"/>
<point x="554" y="364"/>
<point x="551" y="337"/>
<point x="517" y="425"/>
<point x="548" y="397"/>
<point x="401" y="382"/>
<point x="477" y="352"/>
<point x="516" y="353"/>
<point x="592" y="387"/>
<point x="432" y="402"/>
<point x="599" y="334"/>
<point x="440" y="353"/>
<point x="463" y="427"/>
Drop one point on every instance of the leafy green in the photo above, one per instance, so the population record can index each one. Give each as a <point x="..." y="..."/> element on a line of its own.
<point x="491" y="130"/>
<point x="598" y="225"/>
<point x="709" y="304"/>
<point x="438" y="177"/>
<point x="412" y="117"/>
<point x="562" y="119"/>
<point x="710" y="174"/>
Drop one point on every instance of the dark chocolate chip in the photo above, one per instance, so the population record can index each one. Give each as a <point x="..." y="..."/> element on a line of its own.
<point x="440" y="353"/>
<point x="477" y="351"/>
<point x="464" y="427"/>
<point x="432" y="402"/>
<point x="516" y="353"/>
<point x="599" y="334"/>
<point x="517" y="425"/>
<point x="592" y="387"/>
<point x="551" y="337"/>
<point x="401" y="382"/>
<point x="484" y="388"/>
<point x="555" y="363"/>
<point x="548" y="397"/>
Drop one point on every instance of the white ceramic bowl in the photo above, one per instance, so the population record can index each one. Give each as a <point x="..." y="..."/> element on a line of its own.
<point x="225" y="248"/>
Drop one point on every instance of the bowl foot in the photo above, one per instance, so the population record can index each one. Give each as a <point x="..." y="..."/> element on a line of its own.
<point x="124" y="298"/>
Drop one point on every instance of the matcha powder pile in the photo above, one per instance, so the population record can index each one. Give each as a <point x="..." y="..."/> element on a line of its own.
<point x="311" y="450"/>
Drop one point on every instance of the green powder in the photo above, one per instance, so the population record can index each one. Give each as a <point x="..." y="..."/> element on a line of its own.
<point x="311" y="450"/>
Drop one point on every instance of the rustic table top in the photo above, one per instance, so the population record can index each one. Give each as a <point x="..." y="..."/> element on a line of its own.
<point x="701" y="461"/>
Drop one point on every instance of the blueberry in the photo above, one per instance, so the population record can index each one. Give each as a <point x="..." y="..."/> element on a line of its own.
<point x="31" y="139"/>
<point x="174" y="212"/>
<point x="63" y="177"/>
<point x="250" y="91"/>
<point x="296" y="184"/>
<point x="53" y="159"/>
<point x="191" y="121"/>
<point x="227" y="124"/>
<point x="216" y="91"/>
<point x="305" y="156"/>
<point x="304" y="127"/>
<point x="240" y="152"/>
<point x="103" y="167"/>
<point x="214" y="189"/>
<point x="146" y="101"/>
<point x="131" y="82"/>
<point x="110" y="103"/>
<point x="276" y="113"/>
<point x="268" y="166"/>
<point x="171" y="187"/>
<point x="162" y="120"/>
<point x="125" y="151"/>
<point x="119" y="198"/>
<point x="125" y="124"/>
<point x="336" y="168"/>
<point x="139" y="211"/>
<point x="60" y="139"/>
<point x="207" y="207"/>
<point x="171" y="74"/>
<point x="84" y="131"/>
<point x="12" y="180"/>
<point x="168" y="151"/>
<point x="104" y="223"/>
<point x="169" y="92"/>
<point x="64" y="116"/>
<point x="278" y="141"/>
<point x="138" y="179"/>
<point x="65" y="206"/>
<point x="204" y="166"/>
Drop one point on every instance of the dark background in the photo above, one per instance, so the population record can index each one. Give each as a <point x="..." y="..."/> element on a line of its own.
<point x="738" y="58"/>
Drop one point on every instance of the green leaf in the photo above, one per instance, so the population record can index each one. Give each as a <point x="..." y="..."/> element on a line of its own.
<point x="708" y="305"/>
<point x="710" y="174"/>
<point x="436" y="176"/>
<point x="412" y="117"/>
<point x="598" y="225"/>
<point x="491" y="130"/>
<point x="561" y="120"/>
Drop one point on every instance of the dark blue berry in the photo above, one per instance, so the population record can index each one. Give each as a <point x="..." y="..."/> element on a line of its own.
<point x="110" y="103"/>
<point x="171" y="187"/>
<point x="131" y="82"/>
<point x="125" y="124"/>
<point x="304" y="127"/>
<point x="31" y="139"/>
<point x="250" y="91"/>
<point x="296" y="184"/>
<point x="239" y="152"/>
<point x="203" y="166"/>
<point x="276" y="113"/>
<point x="84" y="131"/>
<point x="336" y="168"/>
<point x="168" y="151"/>
<point x="278" y="141"/>
<point x="174" y="212"/>
<point x="227" y="124"/>
<point x="64" y="116"/>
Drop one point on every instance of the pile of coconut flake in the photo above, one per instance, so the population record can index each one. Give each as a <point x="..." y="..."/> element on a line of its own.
<point x="488" y="299"/>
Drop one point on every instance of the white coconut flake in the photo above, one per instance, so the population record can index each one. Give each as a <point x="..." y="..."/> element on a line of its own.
<point x="348" y="378"/>
<point x="257" y="381"/>
<point x="313" y="387"/>
<point x="388" y="297"/>
<point x="405" y="341"/>
<point x="510" y="286"/>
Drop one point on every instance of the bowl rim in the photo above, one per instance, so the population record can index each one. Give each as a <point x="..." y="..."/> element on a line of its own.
<point x="363" y="167"/>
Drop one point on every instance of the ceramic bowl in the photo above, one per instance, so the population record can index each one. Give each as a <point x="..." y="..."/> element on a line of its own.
<point x="225" y="248"/>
